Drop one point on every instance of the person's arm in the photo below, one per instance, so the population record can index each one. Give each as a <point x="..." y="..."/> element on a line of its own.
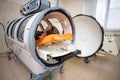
<point x="46" y="32"/>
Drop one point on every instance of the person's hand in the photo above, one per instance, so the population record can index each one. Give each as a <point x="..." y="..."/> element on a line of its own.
<point x="48" y="29"/>
<point x="43" y="35"/>
<point x="45" y="32"/>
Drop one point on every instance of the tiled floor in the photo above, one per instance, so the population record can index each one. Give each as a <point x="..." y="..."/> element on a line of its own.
<point x="102" y="67"/>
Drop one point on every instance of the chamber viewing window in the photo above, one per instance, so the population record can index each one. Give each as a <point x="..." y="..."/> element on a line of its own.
<point x="8" y="27"/>
<point x="13" y="28"/>
<point x="20" y="32"/>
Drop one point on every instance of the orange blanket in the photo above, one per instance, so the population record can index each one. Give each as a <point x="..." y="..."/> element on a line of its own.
<point x="53" y="38"/>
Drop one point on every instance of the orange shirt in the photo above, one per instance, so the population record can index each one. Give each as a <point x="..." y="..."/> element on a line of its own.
<point x="53" y="38"/>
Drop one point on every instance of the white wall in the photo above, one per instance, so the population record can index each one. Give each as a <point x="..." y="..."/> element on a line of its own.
<point x="90" y="7"/>
<point x="73" y="6"/>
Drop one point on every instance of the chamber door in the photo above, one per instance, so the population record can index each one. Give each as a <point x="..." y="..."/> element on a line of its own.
<point x="89" y="35"/>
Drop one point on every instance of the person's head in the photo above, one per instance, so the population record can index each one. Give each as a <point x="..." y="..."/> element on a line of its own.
<point x="51" y="30"/>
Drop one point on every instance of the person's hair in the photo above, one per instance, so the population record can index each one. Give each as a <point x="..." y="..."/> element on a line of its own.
<point x="53" y="30"/>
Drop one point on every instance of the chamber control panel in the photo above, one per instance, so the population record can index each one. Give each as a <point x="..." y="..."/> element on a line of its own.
<point x="34" y="6"/>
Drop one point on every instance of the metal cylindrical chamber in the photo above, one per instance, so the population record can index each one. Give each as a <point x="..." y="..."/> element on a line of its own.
<point x="23" y="31"/>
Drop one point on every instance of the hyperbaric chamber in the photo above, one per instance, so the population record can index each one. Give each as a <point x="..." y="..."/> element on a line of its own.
<point x="24" y="32"/>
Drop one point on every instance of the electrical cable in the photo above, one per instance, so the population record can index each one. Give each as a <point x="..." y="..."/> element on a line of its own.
<point x="10" y="51"/>
<point x="5" y="36"/>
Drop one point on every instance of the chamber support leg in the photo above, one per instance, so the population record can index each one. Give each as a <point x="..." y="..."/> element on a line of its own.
<point x="9" y="54"/>
<point x="50" y="75"/>
<point x="62" y="69"/>
<point x="30" y="76"/>
<point x="48" y="72"/>
<point x="39" y="76"/>
<point x="86" y="60"/>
